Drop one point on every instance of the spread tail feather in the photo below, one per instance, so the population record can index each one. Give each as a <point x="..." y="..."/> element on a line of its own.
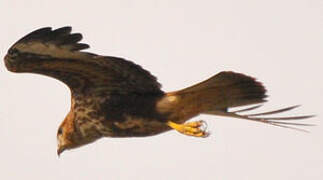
<point x="224" y="90"/>
<point x="221" y="92"/>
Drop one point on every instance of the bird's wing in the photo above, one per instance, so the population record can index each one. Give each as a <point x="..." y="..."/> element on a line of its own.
<point x="258" y="117"/>
<point x="57" y="53"/>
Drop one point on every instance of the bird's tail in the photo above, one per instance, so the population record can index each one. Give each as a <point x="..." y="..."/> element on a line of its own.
<point x="219" y="93"/>
<point x="224" y="90"/>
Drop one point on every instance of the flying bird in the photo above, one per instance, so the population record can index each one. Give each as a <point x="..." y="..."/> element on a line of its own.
<point x="114" y="97"/>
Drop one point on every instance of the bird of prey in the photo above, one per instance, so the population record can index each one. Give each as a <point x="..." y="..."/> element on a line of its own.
<point x="114" y="97"/>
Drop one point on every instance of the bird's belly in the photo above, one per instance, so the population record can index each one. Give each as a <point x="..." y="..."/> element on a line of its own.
<point x="138" y="127"/>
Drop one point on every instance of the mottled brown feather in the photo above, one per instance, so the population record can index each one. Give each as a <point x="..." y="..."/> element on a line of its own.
<point x="114" y="97"/>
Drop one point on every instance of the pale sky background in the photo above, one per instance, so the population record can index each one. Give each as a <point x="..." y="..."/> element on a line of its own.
<point x="182" y="42"/>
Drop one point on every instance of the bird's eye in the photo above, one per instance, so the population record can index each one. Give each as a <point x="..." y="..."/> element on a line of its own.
<point x="60" y="131"/>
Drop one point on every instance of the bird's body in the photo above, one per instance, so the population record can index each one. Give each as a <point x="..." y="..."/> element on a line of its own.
<point x="113" y="97"/>
<point x="119" y="115"/>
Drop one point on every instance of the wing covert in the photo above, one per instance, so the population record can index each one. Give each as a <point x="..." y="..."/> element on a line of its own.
<point x="58" y="54"/>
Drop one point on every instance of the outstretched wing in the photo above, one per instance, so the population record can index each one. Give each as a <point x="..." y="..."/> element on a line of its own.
<point x="275" y="121"/>
<point x="57" y="53"/>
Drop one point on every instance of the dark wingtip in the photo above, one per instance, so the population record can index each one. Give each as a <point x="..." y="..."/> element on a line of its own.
<point x="59" y="37"/>
<point x="80" y="46"/>
<point x="247" y="109"/>
<point x="35" y="34"/>
<point x="275" y="111"/>
<point x="72" y="38"/>
<point x="276" y="121"/>
<point x="64" y="29"/>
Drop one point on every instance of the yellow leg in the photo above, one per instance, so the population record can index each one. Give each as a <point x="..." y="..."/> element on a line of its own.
<point x="194" y="128"/>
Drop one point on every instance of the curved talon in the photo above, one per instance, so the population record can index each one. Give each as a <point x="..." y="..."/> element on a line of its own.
<point x="195" y="128"/>
<point x="206" y="134"/>
<point x="203" y="125"/>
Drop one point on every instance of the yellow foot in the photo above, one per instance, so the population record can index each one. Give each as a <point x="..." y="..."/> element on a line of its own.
<point x="195" y="128"/>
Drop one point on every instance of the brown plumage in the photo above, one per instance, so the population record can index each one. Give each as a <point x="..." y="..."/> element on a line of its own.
<point x="113" y="97"/>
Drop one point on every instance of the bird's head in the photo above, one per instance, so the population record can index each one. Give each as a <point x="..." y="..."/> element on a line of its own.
<point x="67" y="135"/>
<point x="70" y="137"/>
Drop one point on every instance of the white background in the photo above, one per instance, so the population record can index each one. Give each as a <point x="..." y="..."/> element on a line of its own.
<point x="182" y="42"/>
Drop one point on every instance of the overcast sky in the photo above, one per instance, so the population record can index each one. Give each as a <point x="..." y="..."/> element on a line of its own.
<point x="182" y="42"/>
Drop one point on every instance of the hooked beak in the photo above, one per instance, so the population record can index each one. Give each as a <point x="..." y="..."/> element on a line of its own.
<point x="60" y="150"/>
